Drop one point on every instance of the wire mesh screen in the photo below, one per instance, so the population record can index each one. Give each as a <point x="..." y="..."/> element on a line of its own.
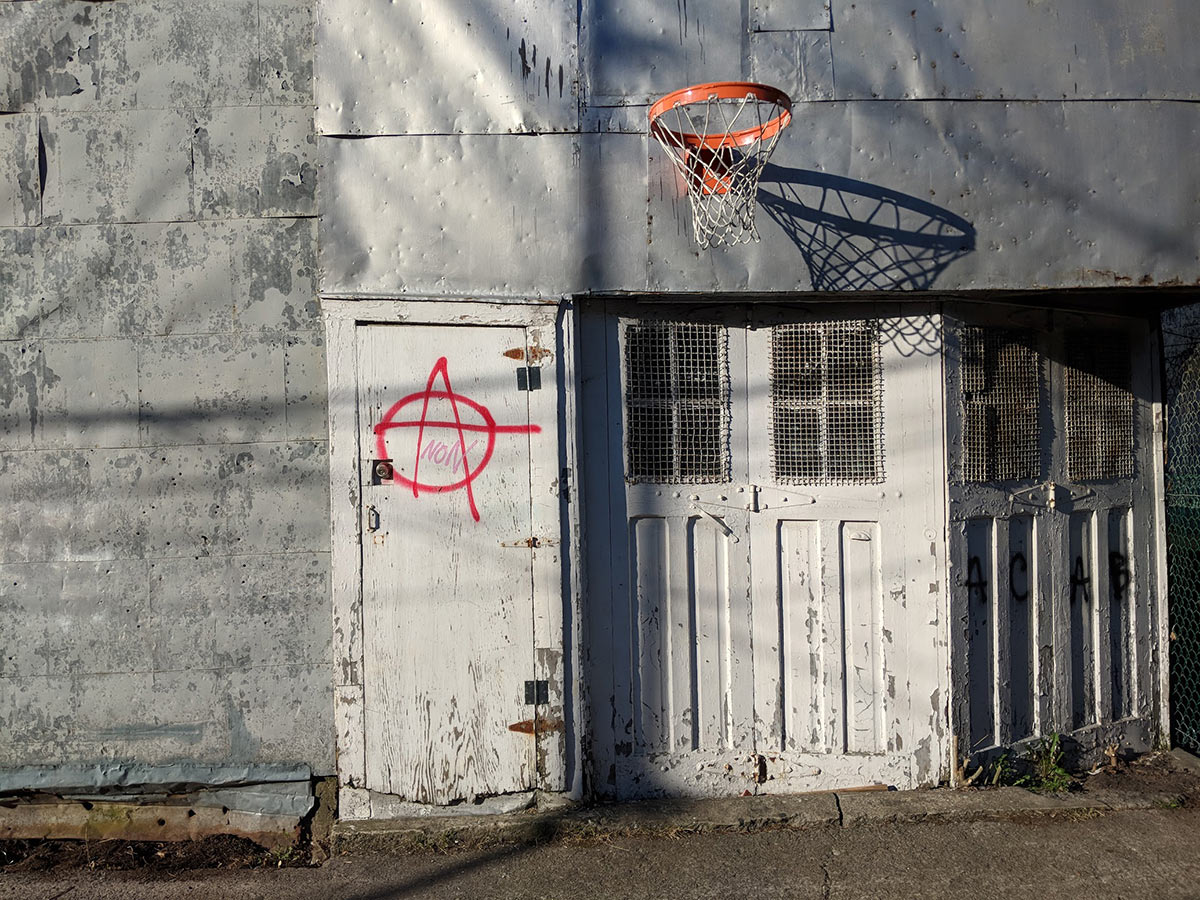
<point x="826" y="403"/>
<point x="1001" y="372"/>
<point x="1181" y="353"/>
<point x="676" y="402"/>
<point x="1099" y="408"/>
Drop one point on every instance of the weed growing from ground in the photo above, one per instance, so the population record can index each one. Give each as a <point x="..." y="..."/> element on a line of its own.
<point x="1046" y="771"/>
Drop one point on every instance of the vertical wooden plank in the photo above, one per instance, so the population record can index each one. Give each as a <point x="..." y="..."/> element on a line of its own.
<point x="834" y="664"/>
<point x="345" y="545"/>
<point x="1101" y="625"/>
<point x="1054" y="662"/>
<point x="549" y="594"/>
<point x="1122" y="589"/>
<point x="770" y="687"/>
<point x="864" y="666"/>
<point x="745" y="378"/>
<point x="980" y="596"/>
<point x="650" y="551"/>
<point x="1152" y="581"/>
<point x="603" y="557"/>
<point x="802" y="615"/>
<point x="710" y="579"/>
<point x="1080" y="648"/>
<point x="680" y="636"/>
<point x="1002" y="629"/>
<point x="351" y="738"/>
<point x="1022" y="606"/>
<point x="572" y="512"/>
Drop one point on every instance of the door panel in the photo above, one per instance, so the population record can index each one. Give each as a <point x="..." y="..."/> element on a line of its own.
<point x="447" y="577"/>
<point x="771" y="618"/>
<point x="1050" y="477"/>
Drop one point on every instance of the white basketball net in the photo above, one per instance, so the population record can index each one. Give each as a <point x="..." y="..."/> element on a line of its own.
<point x="722" y="184"/>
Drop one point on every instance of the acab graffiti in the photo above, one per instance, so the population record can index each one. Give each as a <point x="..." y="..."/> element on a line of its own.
<point x="470" y="421"/>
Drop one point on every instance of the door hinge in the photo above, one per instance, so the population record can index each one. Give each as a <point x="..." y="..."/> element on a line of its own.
<point x="537" y="693"/>
<point x="529" y="378"/>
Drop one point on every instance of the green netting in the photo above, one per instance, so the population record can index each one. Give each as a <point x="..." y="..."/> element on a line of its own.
<point x="1181" y="346"/>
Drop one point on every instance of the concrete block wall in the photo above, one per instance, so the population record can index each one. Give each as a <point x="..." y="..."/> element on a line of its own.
<point x="164" y="526"/>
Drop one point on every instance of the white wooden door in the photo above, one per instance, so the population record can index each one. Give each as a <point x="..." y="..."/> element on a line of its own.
<point x="1052" y="543"/>
<point x="771" y="617"/>
<point x="448" y="626"/>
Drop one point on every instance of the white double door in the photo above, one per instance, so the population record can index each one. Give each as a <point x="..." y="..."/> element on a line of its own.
<point x="777" y="628"/>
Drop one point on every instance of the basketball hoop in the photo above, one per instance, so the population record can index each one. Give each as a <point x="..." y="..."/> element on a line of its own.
<point x="719" y="136"/>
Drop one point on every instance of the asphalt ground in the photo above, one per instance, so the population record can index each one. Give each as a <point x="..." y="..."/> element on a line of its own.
<point x="1084" y="853"/>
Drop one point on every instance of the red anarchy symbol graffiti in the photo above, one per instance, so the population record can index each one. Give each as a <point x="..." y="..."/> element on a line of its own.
<point x="487" y="427"/>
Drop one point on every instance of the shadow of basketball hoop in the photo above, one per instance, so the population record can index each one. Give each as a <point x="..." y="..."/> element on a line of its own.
<point x="857" y="236"/>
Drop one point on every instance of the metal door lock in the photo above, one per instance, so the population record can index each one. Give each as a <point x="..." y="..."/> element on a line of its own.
<point x="382" y="471"/>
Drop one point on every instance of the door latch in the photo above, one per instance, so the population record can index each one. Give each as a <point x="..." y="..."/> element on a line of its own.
<point x="372" y="519"/>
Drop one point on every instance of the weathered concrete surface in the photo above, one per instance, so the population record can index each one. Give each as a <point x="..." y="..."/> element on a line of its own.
<point x="164" y="518"/>
<point x="1124" y="854"/>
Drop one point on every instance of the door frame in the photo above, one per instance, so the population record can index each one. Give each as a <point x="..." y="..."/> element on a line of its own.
<point x="555" y="523"/>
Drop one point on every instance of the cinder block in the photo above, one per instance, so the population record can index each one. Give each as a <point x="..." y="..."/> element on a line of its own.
<point x="49" y="55"/>
<point x="20" y="188"/>
<point x="285" y="45"/>
<point x="306" y="386"/>
<point x="36" y="714"/>
<point x="99" y="616"/>
<point x="208" y="389"/>
<point x="249" y="498"/>
<point x="275" y="271"/>
<point x="124" y="166"/>
<point x="98" y="280"/>
<point x="255" y="161"/>
<point x="194" y="291"/>
<point x="89" y="394"/>
<point x="282" y="715"/>
<point x="184" y="594"/>
<point x="153" y="717"/>
<point x="20" y="379"/>
<point x="20" y="302"/>
<point x="25" y="611"/>
<point x="293" y="512"/>
<point x="72" y="505"/>
<point x="274" y="612"/>
<point x="180" y="53"/>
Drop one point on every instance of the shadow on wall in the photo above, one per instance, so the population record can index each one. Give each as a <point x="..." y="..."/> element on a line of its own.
<point x="857" y="236"/>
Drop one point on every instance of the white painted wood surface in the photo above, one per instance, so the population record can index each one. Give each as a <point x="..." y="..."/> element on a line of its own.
<point x="1053" y="580"/>
<point x="765" y="637"/>
<point x="448" y="617"/>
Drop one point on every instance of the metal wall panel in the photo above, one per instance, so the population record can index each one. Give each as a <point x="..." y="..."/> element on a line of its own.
<point x="798" y="62"/>
<point x="956" y="196"/>
<point x="476" y="214"/>
<point x="20" y="196"/>
<point x="637" y="50"/>
<point x="429" y="67"/>
<point x="1071" y="50"/>
<point x="790" y="15"/>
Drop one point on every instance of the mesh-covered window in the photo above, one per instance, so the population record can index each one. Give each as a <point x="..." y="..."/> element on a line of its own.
<point x="1099" y="407"/>
<point x="826" y="403"/>
<point x="676" y="402"/>
<point x="1001" y="404"/>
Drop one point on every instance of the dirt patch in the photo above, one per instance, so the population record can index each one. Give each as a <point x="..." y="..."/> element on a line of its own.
<point x="1152" y="774"/>
<point x="219" y="852"/>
